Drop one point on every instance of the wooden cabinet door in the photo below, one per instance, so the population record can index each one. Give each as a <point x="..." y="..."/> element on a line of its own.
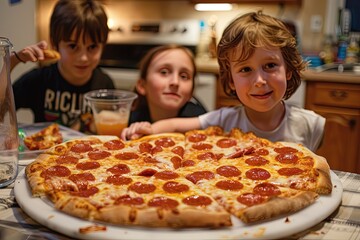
<point x="341" y="141"/>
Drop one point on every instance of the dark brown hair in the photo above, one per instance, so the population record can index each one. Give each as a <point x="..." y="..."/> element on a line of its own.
<point x="85" y="17"/>
<point x="253" y="30"/>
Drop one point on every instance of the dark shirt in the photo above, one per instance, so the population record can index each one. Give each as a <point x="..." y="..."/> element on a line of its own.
<point x="52" y="99"/>
<point x="193" y="108"/>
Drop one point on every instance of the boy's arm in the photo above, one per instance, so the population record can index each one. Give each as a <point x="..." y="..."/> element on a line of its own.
<point x="31" y="53"/>
<point x="139" y="129"/>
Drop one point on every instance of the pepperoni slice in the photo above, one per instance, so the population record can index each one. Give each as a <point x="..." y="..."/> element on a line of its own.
<point x="290" y="171"/>
<point x="266" y="189"/>
<point x="149" y="159"/>
<point x="197" y="137"/>
<point x="241" y="152"/>
<point x="147" y="172"/>
<point x="86" y="193"/>
<point x="250" y="199"/>
<point x="81" y="148"/>
<point x="285" y="150"/>
<point x="126" y="156"/>
<point x="257" y="174"/>
<point x="55" y="171"/>
<point x="199" y="175"/>
<point x="156" y="149"/>
<point x="202" y="146"/>
<point x="163" y="202"/>
<point x="176" y="161"/>
<point x="287" y="158"/>
<point x="166" y="175"/>
<point x="257" y="161"/>
<point x="81" y="179"/>
<point x="226" y="143"/>
<point x="231" y="185"/>
<point x="164" y="142"/>
<point x="228" y="171"/>
<point x="118" y="180"/>
<point x="207" y="156"/>
<point x="261" y="152"/>
<point x="65" y="159"/>
<point x="114" y="144"/>
<point x="196" y="200"/>
<point x="119" y="169"/>
<point x="127" y="200"/>
<point x="87" y="165"/>
<point x="142" y="187"/>
<point x="188" y="163"/>
<point x="98" y="154"/>
<point x="178" y="150"/>
<point x="175" y="187"/>
<point x="145" y="147"/>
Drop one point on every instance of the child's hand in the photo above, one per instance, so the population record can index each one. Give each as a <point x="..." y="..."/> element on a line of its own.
<point x="136" y="130"/>
<point x="33" y="53"/>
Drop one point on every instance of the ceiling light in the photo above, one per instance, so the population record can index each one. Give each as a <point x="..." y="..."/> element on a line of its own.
<point x="213" y="7"/>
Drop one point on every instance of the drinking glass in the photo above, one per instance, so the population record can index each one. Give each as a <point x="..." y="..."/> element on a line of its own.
<point x="111" y="109"/>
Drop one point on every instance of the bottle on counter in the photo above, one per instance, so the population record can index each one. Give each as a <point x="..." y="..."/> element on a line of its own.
<point x="327" y="54"/>
<point x="202" y="47"/>
<point x="352" y="51"/>
<point x="342" y="49"/>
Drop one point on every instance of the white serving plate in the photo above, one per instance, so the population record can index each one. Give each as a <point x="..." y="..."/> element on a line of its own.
<point x="42" y="211"/>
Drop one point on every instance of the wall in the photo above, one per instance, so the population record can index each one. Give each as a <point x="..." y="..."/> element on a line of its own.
<point x="177" y="9"/>
<point x="18" y="24"/>
<point x="18" y="21"/>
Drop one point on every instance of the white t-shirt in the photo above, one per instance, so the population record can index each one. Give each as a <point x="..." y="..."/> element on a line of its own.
<point x="299" y="125"/>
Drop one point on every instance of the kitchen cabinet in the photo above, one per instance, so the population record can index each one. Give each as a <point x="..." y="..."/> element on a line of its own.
<point x="339" y="103"/>
<point x="223" y="100"/>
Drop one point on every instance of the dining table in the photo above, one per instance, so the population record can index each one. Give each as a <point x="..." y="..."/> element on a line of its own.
<point x="342" y="223"/>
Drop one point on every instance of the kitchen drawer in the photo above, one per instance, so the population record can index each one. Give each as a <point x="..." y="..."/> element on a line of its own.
<point x="335" y="94"/>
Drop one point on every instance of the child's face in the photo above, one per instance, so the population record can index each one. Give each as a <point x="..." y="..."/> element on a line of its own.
<point x="169" y="80"/>
<point x="78" y="59"/>
<point x="260" y="81"/>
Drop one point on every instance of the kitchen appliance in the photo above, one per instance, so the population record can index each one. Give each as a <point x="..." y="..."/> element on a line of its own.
<point x="130" y="40"/>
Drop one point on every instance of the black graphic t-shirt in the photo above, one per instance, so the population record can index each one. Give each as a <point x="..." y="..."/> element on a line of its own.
<point x="52" y="99"/>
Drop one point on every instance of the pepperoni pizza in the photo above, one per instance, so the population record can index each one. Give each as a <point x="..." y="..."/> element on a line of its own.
<point x="196" y="179"/>
<point x="45" y="138"/>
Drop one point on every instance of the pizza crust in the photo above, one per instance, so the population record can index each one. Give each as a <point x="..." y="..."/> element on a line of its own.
<point x="322" y="168"/>
<point x="277" y="206"/>
<point x="159" y="217"/>
<point x="180" y="217"/>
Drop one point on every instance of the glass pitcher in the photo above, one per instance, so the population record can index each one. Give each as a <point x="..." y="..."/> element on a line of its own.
<point x="9" y="139"/>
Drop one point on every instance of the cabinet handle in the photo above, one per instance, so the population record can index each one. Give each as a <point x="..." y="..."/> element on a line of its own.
<point x="338" y="94"/>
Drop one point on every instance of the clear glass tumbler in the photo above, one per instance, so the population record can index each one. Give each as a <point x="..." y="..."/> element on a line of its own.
<point x="9" y="138"/>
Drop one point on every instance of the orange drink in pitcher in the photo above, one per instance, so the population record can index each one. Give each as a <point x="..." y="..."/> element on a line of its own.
<point x="111" y="109"/>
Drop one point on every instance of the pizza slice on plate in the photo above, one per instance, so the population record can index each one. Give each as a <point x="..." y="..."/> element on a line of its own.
<point x="45" y="138"/>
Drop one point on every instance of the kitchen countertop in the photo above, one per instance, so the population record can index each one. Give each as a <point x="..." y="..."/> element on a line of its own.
<point x="311" y="75"/>
<point x="211" y="66"/>
<point x="207" y="65"/>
